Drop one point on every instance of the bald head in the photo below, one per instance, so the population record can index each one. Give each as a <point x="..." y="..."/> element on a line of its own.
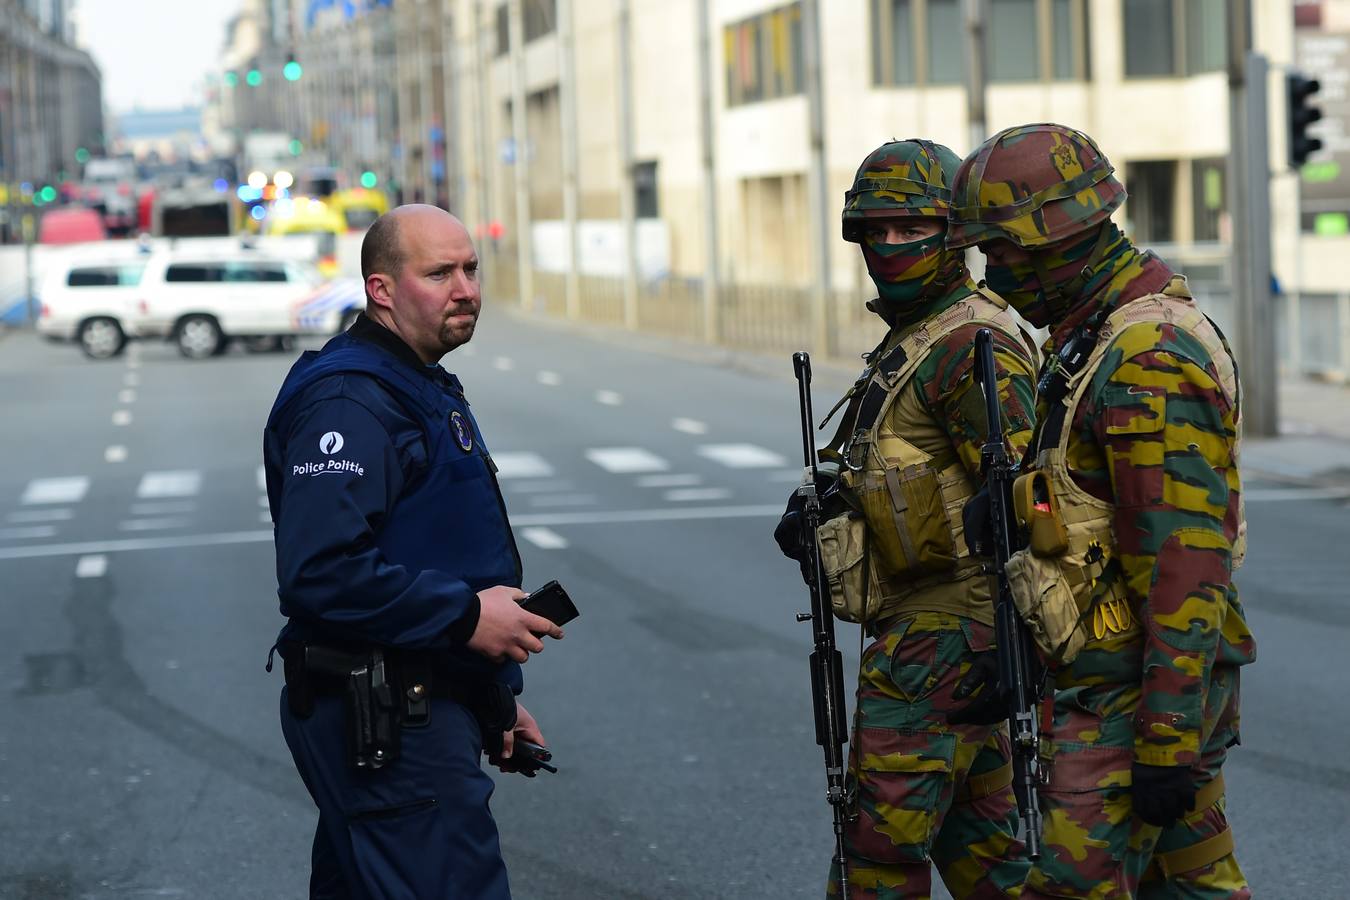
<point x="383" y="251"/>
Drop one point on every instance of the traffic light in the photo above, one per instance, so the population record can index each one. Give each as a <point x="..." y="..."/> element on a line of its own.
<point x="253" y="78"/>
<point x="231" y="79"/>
<point x="1302" y="145"/>
<point x="292" y="70"/>
<point x="368" y="180"/>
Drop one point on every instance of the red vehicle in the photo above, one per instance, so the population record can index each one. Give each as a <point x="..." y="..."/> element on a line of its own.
<point x="71" y="225"/>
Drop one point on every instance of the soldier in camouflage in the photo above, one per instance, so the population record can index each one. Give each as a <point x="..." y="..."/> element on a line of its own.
<point x="923" y="792"/>
<point x="1135" y="463"/>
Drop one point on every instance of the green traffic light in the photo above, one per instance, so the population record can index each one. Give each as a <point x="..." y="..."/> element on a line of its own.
<point x="231" y="79"/>
<point x="368" y="180"/>
<point x="82" y="156"/>
<point x="296" y="147"/>
<point x="292" y="71"/>
<point x="253" y="78"/>
<point x="48" y="194"/>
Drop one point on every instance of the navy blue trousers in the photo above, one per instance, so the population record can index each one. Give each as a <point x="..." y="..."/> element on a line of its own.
<point x="417" y="829"/>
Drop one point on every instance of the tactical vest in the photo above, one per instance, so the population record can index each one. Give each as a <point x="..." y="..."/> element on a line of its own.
<point x="1068" y="584"/>
<point x="900" y="548"/>
<point x="452" y="517"/>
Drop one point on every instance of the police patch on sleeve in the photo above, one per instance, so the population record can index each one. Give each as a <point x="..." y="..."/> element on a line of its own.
<point x="463" y="434"/>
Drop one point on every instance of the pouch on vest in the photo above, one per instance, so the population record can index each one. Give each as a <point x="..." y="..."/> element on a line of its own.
<point x="842" y="541"/>
<point x="1046" y="604"/>
<point x="1037" y="514"/>
<point x="906" y="520"/>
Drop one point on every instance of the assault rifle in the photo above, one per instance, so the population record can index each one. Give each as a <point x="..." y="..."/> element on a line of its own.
<point x="1020" y="686"/>
<point x="827" y="665"/>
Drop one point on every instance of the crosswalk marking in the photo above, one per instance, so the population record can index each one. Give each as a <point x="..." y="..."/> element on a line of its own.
<point x="131" y="379"/>
<point x="503" y="364"/>
<point x="551" y="379"/>
<point x="122" y="417"/>
<point x="32" y="531"/>
<point x="544" y="538"/>
<point x="742" y="456"/>
<point x="689" y="426"/>
<point x="162" y="524"/>
<point x="669" y="481"/>
<point x="95" y="565"/>
<point x="562" y="500"/>
<point x="171" y="507"/>
<point x="626" y="460"/>
<point x="115" y="453"/>
<point x="40" y="515"/>
<point x="608" y="398"/>
<point x="179" y="483"/>
<point x="126" y="395"/>
<point x="55" y="490"/>
<point x="521" y="465"/>
<point x="686" y="495"/>
<point x="262" y="478"/>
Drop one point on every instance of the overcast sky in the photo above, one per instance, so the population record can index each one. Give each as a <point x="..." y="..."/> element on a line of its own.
<point x="154" y="53"/>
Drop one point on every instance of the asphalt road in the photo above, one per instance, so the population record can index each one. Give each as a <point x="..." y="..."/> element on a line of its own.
<point x="141" y="756"/>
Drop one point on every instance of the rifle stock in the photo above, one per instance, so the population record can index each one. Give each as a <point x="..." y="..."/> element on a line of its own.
<point x="1019" y="684"/>
<point x="827" y="666"/>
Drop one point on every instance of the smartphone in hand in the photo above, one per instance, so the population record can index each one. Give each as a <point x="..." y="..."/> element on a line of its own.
<point x="551" y="602"/>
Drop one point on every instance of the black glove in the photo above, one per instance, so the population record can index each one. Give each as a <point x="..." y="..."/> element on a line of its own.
<point x="989" y="707"/>
<point x="1162" y="794"/>
<point x="978" y="528"/>
<point x="788" y="534"/>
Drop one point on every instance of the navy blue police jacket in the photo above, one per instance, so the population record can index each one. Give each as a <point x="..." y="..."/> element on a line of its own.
<point x="387" y="514"/>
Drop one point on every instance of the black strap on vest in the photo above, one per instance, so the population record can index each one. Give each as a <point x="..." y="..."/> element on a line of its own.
<point x="1052" y="385"/>
<point x="869" y="409"/>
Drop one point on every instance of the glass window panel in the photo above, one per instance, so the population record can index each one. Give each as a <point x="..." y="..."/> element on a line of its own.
<point x="1207" y="180"/>
<point x="945" y="56"/>
<point x="92" y="277"/>
<point x="902" y="42"/>
<point x="878" y="44"/>
<point x="797" y="49"/>
<point x="1152" y="185"/>
<point x="1061" y="30"/>
<point x="1013" y="50"/>
<point x="1206" y="40"/>
<point x="1149" y="38"/>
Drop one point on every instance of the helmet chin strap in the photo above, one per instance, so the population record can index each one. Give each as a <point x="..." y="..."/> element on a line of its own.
<point x="1060" y="297"/>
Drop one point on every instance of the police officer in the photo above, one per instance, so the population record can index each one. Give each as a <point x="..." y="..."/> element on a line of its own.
<point x="1133" y="508"/>
<point x="925" y="791"/>
<point x="399" y="577"/>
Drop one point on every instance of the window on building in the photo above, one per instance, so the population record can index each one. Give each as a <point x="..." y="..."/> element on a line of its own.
<point x="540" y="18"/>
<point x="1170" y="38"/>
<point x="646" y="198"/>
<point x="503" y="30"/>
<point x="764" y="56"/>
<point x="1210" y="199"/>
<point x="1152" y="186"/>
<point x="922" y="42"/>
<point x="1012" y="40"/>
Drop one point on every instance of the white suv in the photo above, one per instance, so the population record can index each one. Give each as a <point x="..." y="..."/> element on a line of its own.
<point x="202" y="300"/>
<point x="92" y="301"/>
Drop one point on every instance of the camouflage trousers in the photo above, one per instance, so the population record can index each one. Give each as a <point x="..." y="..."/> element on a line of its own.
<point x="927" y="793"/>
<point x="1093" y="848"/>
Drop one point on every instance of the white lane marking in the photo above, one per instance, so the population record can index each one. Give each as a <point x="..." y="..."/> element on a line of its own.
<point x="92" y="566"/>
<point x="32" y="531"/>
<point x="262" y="478"/>
<point x="686" y="495"/>
<point x="172" y="507"/>
<point x="265" y="517"/>
<point x="608" y="398"/>
<point x="55" y="490"/>
<point x="544" y="538"/>
<point x="162" y="524"/>
<point x="41" y="515"/>
<point x="552" y="379"/>
<point x="537" y="486"/>
<point x="122" y="417"/>
<point x="742" y="456"/>
<point x="626" y="460"/>
<point x="669" y="481"/>
<point x="132" y="363"/>
<point x="793" y="475"/>
<point x="115" y="453"/>
<point x="563" y="500"/>
<point x="228" y="538"/>
<point x="689" y="426"/>
<point x="131" y="379"/>
<point x="503" y="364"/>
<point x="521" y="465"/>
<point x="1266" y="495"/>
<point x="126" y="395"/>
<point x="176" y="483"/>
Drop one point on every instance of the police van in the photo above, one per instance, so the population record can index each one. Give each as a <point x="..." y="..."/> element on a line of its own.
<point x="93" y="301"/>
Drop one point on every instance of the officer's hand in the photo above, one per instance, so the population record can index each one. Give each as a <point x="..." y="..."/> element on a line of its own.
<point x="788" y="534"/>
<point x="989" y="706"/>
<point x="1162" y="794"/>
<point x="979" y="530"/>
<point x="505" y="630"/>
<point x="526" y="729"/>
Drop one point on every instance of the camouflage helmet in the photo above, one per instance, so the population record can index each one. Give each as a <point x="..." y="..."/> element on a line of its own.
<point x="1033" y="185"/>
<point x="900" y="178"/>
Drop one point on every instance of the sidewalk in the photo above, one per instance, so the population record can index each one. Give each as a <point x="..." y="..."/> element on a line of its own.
<point x="1313" y="447"/>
